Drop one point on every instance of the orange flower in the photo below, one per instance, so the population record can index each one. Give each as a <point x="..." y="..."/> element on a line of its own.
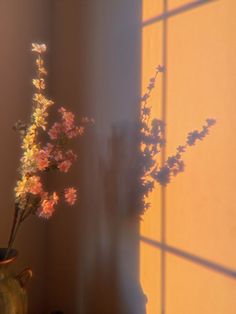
<point x="47" y="208"/>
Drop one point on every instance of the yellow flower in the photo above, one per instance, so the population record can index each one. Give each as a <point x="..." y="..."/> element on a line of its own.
<point x="39" y="116"/>
<point x="41" y="99"/>
<point x="21" y="187"/>
<point x="40" y="65"/>
<point x="42" y="70"/>
<point x="47" y="102"/>
<point x="38" y="97"/>
<point x="30" y="136"/>
<point x="30" y="153"/>
<point x="39" y="62"/>
<point x="28" y="141"/>
<point x="39" y="48"/>
<point x="32" y="129"/>
<point x="39" y="83"/>
<point x="28" y="160"/>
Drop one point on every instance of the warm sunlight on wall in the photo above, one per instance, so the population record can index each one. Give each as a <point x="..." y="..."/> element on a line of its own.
<point x="201" y="202"/>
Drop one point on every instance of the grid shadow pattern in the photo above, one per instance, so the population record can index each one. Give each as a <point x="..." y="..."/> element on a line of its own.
<point x="162" y="244"/>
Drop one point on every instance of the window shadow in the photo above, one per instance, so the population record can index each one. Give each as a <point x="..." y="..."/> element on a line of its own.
<point x="176" y="11"/>
<point x="162" y="245"/>
<point x="218" y="268"/>
<point x="101" y="72"/>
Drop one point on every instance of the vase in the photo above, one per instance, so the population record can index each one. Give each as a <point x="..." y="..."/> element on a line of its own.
<point x="13" y="296"/>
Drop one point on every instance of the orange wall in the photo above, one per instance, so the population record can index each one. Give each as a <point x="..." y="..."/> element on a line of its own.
<point x="201" y="202"/>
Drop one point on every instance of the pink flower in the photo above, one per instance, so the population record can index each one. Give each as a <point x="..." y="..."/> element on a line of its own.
<point x="68" y="119"/>
<point x="67" y="116"/>
<point x="55" y="131"/>
<point x="62" y="110"/>
<point x="71" y="156"/>
<point x="85" y="120"/>
<point x="70" y="195"/>
<point x="76" y="131"/>
<point x="49" y="148"/>
<point x="42" y="159"/>
<point x="64" y="165"/>
<point x="58" y="156"/>
<point x="35" y="185"/>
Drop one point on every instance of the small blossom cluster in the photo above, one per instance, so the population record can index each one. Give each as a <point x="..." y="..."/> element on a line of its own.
<point x="37" y="158"/>
<point x="152" y="133"/>
<point x="66" y="128"/>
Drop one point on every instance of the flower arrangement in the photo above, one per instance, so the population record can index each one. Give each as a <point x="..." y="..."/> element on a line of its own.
<point x="44" y="149"/>
<point x="152" y="132"/>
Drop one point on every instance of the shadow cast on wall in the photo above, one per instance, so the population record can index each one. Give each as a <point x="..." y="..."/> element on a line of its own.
<point x="114" y="285"/>
<point x="96" y="69"/>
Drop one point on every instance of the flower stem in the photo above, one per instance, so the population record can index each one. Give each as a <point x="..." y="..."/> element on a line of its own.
<point x="17" y="224"/>
<point x="13" y="228"/>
